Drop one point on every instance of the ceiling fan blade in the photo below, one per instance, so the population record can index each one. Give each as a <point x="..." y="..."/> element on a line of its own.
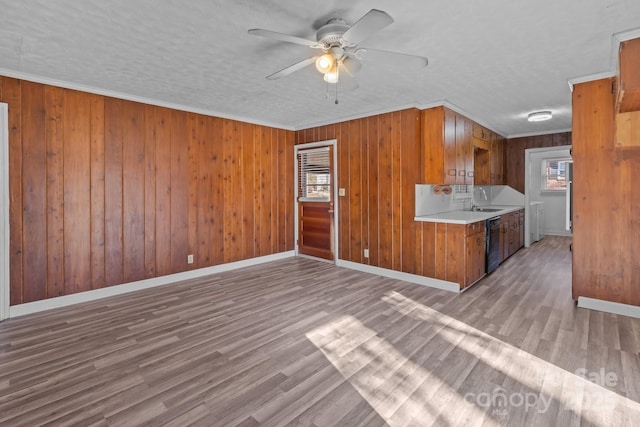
<point x="400" y="59"/>
<point x="372" y="22"/>
<point x="292" y="68"/>
<point x="351" y="66"/>
<point x="283" y="37"/>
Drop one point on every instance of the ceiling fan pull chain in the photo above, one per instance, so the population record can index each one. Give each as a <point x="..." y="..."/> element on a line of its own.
<point x="337" y="80"/>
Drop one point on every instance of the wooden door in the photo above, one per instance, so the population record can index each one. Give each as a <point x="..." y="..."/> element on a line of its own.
<point x="315" y="202"/>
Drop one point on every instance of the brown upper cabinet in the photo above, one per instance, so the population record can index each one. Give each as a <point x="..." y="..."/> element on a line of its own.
<point x="458" y="150"/>
<point x="629" y="84"/>
<point x="497" y="159"/>
<point x="448" y="153"/>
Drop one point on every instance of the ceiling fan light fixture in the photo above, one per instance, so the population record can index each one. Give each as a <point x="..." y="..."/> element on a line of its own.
<point x="539" y="116"/>
<point x="325" y="63"/>
<point x="332" y="76"/>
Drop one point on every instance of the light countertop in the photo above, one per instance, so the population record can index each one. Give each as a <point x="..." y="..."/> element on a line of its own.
<point x="467" y="217"/>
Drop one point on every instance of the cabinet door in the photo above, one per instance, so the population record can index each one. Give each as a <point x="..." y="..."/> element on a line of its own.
<point x="521" y="228"/>
<point x="450" y="150"/>
<point x="475" y="245"/>
<point x="504" y="236"/>
<point x="462" y="149"/>
<point x="497" y="160"/>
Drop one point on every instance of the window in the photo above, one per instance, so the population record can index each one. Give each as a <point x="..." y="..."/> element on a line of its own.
<point x="554" y="174"/>
<point x="314" y="175"/>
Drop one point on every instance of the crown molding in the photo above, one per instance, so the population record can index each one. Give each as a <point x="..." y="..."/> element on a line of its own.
<point x="543" y="132"/>
<point x="613" y="68"/>
<point x="355" y="116"/>
<point x="128" y="97"/>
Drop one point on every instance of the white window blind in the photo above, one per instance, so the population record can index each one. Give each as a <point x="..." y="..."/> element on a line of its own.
<point x="314" y="174"/>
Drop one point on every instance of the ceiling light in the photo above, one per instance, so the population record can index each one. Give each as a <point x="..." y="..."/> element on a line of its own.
<point x="325" y="63"/>
<point x="539" y="116"/>
<point x="331" y="76"/>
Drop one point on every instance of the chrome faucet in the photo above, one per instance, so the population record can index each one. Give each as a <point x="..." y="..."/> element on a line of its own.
<point x="484" y="193"/>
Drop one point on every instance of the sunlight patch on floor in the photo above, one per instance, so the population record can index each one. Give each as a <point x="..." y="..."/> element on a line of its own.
<point x="581" y="394"/>
<point x="400" y="391"/>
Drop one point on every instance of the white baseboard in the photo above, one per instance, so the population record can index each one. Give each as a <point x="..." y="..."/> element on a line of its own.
<point x="407" y="277"/>
<point x="63" y="301"/>
<point x="609" y="307"/>
<point x="558" y="233"/>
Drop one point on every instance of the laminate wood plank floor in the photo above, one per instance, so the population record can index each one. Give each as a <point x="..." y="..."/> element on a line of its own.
<point x="300" y="342"/>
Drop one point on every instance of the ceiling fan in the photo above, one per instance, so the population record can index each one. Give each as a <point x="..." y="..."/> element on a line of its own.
<point x="338" y="43"/>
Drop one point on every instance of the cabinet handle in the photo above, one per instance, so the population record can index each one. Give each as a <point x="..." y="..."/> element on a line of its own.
<point x="452" y="172"/>
<point x="478" y="240"/>
<point x="470" y="174"/>
<point x="462" y="172"/>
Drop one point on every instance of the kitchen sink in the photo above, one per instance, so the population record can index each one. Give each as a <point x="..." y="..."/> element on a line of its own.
<point x="480" y="209"/>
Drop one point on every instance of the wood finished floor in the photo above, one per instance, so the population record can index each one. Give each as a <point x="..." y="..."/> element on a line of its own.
<point x="299" y="342"/>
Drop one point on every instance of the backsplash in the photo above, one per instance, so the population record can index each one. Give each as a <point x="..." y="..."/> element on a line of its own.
<point x="433" y="199"/>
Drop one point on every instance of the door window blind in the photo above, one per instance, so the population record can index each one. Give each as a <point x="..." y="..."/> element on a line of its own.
<point x="314" y="174"/>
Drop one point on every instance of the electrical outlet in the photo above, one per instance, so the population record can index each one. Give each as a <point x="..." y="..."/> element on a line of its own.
<point x="366" y="253"/>
<point x="190" y="259"/>
<point x="341" y="192"/>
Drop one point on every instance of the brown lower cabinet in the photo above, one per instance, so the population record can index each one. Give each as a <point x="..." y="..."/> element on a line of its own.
<point x="460" y="252"/>
<point x="460" y="249"/>
<point x="511" y="233"/>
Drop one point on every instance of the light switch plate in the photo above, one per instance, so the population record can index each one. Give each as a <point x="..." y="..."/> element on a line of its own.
<point x="341" y="192"/>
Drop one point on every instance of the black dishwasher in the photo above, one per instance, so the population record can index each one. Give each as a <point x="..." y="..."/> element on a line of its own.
<point x="493" y="243"/>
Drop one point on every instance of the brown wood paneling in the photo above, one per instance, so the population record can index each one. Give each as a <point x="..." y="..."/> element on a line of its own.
<point x="248" y="191"/>
<point x="162" y="124"/>
<point x="54" y="134"/>
<point x="98" y="274"/>
<point x="204" y="192"/>
<point x="434" y="153"/>
<point x="113" y="191"/>
<point x="428" y="248"/>
<point x="34" y="178"/>
<point x="396" y="191"/>
<point x="379" y="163"/>
<point x="150" y="136"/>
<point x="514" y="154"/>
<point x="266" y="213"/>
<point x="77" y="201"/>
<point x="11" y="94"/>
<point x="385" y="186"/>
<point x="373" y="199"/>
<point x="179" y="191"/>
<point x="410" y="161"/>
<point x="216" y="233"/>
<point x="133" y="173"/>
<point x="288" y="214"/>
<point x="113" y="120"/>
<point x="355" y="184"/>
<point x="344" y="172"/>
<point x="605" y="228"/>
<point x="193" y="228"/>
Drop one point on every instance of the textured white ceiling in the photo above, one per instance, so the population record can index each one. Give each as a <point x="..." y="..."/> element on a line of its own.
<point x="495" y="60"/>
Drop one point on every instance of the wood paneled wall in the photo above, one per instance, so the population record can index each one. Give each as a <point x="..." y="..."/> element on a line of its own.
<point x="379" y="163"/>
<point x="606" y="222"/>
<point x="514" y="154"/>
<point x="105" y="191"/>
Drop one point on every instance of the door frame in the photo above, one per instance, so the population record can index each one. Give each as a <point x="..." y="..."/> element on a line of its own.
<point x="527" y="183"/>
<point x="334" y="184"/>
<point x="4" y="212"/>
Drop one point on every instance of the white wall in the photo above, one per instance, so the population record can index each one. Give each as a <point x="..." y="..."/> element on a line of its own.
<point x="554" y="202"/>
